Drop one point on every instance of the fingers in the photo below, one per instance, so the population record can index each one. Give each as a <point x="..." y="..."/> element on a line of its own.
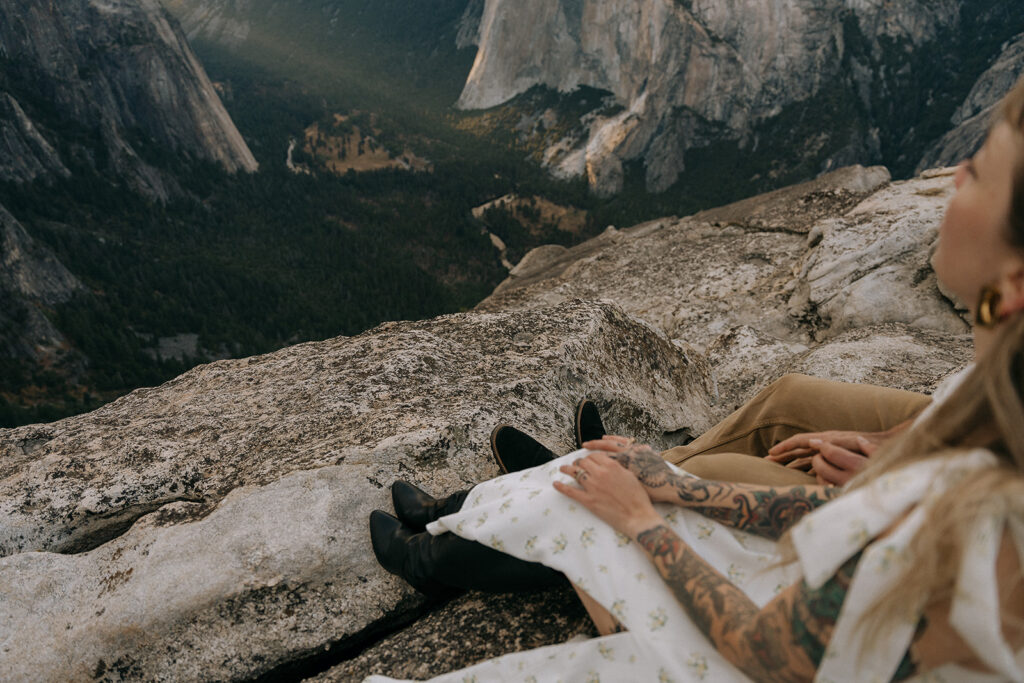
<point x="842" y="459"/>
<point x="826" y="473"/>
<point x="801" y="445"/>
<point x="798" y="441"/>
<point x="784" y="457"/>
<point x="837" y="465"/>
<point x="581" y="468"/>
<point x="867" y="447"/>
<point x="609" y="442"/>
<point x="803" y="464"/>
<point x="576" y="471"/>
<point x="573" y="492"/>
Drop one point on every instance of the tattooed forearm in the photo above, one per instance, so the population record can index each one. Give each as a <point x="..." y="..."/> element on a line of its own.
<point x="784" y="641"/>
<point x="763" y="510"/>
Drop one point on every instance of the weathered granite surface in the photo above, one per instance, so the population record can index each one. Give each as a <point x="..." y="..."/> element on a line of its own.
<point x="259" y="474"/>
<point x="214" y="527"/>
<point x="793" y="285"/>
<point x="472" y="628"/>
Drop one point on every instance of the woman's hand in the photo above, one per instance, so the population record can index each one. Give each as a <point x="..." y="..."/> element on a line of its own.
<point x="642" y="462"/>
<point x="836" y="465"/>
<point x="799" y="451"/>
<point x="604" y="487"/>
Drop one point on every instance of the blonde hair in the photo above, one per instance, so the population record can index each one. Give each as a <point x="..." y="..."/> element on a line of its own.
<point x="985" y="411"/>
<point x="1011" y="111"/>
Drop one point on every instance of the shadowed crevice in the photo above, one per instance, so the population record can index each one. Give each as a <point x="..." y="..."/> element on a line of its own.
<point x="313" y="662"/>
<point x="100" y="529"/>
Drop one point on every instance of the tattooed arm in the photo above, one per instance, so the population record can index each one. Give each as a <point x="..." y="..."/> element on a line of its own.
<point x="763" y="510"/>
<point x="783" y="641"/>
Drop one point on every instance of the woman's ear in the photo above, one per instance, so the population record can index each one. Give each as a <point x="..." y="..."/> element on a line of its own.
<point x="1011" y="288"/>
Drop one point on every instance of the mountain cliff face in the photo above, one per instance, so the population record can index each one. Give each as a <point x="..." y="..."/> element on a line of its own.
<point x="972" y="118"/>
<point x="103" y="92"/>
<point x="692" y="72"/>
<point x="104" y="83"/>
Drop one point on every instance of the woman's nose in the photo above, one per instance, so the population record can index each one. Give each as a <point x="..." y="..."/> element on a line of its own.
<point x="961" y="174"/>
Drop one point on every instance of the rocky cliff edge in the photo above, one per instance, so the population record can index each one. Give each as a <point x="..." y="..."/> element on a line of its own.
<point x="214" y="527"/>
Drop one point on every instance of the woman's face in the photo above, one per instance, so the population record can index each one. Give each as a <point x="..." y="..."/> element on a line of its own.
<point x="973" y="250"/>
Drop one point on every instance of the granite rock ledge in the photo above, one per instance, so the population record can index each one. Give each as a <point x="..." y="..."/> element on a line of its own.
<point x="215" y="527"/>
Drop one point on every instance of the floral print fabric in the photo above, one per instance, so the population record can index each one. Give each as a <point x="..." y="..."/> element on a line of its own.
<point x="523" y="515"/>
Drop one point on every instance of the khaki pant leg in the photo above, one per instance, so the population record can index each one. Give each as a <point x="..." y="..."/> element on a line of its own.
<point x="745" y="469"/>
<point x="792" y="405"/>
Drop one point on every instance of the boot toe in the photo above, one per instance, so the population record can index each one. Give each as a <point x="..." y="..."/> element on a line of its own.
<point x="587" y="425"/>
<point x="515" y="451"/>
<point x="387" y="536"/>
<point x="413" y="505"/>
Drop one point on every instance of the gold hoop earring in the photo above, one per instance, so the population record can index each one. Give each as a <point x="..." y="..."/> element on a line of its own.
<point x="987" y="313"/>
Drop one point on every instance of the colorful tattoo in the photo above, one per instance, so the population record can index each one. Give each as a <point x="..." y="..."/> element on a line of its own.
<point x="785" y="641"/>
<point x="762" y="510"/>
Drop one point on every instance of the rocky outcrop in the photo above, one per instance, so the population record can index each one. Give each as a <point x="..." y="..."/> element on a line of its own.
<point x="971" y="120"/>
<point x="692" y="73"/>
<point x="223" y="22"/>
<point x="95" y="81"/>
<point x="772" y="277"/>
<point x="214" y="527"/>
<point x="26" y="154"/>
<point x="262" y="523"/>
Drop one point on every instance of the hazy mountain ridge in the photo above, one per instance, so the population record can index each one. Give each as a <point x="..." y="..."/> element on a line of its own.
<point x="415" y="49"/>
<point x="93" y="82"/>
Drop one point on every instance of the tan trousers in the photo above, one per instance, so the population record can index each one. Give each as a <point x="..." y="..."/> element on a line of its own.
<point x="733" y="450"/>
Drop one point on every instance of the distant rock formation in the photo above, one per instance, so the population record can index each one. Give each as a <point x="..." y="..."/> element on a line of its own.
<point x="690" y="72"/>
<point x="972" y="119"/>
<point x="214" y="527"/>
<point x="92" y="80"/>
<point x="30" y="277"/>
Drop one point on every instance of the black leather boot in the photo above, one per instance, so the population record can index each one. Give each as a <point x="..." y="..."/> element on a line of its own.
<point x="437" y="565"/>
<point x="515" y="451"/>
<point x="390" y="540"/>
<point x="417" y="508"/>
<point x="587" y="425"/>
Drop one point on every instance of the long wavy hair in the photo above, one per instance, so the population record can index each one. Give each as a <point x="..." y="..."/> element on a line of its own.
<point x="985" y="411"/>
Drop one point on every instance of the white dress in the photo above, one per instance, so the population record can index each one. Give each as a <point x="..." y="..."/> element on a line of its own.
<point x="523" y="515"/>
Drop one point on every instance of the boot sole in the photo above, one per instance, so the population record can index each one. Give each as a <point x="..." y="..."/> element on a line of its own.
<point x="494" y="448"/>
<point x="576" y="427"/>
